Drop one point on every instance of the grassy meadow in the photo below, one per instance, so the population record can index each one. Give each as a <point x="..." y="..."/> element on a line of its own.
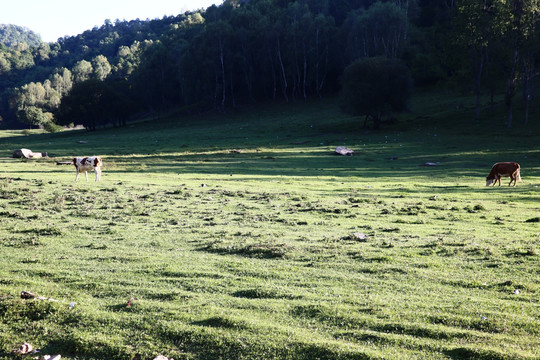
<point x="242" y="236"/>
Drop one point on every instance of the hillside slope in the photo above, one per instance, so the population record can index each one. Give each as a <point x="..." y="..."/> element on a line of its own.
<point x="11" y="35"/>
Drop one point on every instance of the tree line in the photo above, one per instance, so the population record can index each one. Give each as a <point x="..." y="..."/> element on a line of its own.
<point x="11" y="35"/>
<point x="249" y="51"/>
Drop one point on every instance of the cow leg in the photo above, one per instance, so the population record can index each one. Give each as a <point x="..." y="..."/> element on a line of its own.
<point x="77" y="176"/>
<point x="86" y="174"/>
<point x="98" y="174"/>
<point x="516" y="177"/>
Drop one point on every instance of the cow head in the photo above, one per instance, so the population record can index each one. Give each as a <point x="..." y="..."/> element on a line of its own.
<point x="489" y="181"/>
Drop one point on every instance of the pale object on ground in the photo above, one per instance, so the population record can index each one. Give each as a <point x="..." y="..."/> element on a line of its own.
<point x="342" y="150"/>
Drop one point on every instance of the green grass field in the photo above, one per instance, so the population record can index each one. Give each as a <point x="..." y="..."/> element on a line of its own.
<point x="242" y="236"/>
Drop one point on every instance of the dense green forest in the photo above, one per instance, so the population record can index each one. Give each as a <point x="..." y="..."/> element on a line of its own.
<point x="13" y="35"/>
<point x="245" y="52"/>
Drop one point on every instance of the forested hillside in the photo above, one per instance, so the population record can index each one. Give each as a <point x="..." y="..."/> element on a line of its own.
<point x="266" y="50"/>
<point x="12" y="35"/>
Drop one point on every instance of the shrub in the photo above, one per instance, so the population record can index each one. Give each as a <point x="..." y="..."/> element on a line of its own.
<point x="51" y="127"/>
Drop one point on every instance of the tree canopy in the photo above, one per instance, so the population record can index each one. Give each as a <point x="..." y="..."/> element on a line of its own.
<point x="12" y="35"/>
<point x="276" y="50"/>
<point x="375" y="87"/>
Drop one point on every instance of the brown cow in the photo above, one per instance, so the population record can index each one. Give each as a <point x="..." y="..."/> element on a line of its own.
<point x="503" y="169"/>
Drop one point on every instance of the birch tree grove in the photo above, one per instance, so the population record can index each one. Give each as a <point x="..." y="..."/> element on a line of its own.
<point x="506" y="30"/>
<point x="518" y="22"/>
<point x="248" y="51"/>
<point x="474" y="21"/>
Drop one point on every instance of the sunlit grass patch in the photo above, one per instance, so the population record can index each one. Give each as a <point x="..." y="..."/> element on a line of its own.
<point x="206" y="245"/>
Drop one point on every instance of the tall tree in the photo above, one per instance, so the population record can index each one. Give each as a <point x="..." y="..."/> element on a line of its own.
<point x="473" y="24"/>
<point x="82" y="71"/>
<point x="97" y="103"/>
<point x="101" y="67"/>
<point x="62" y="81"/>
<point x="518" y="20"/>
<point x="529" y="54"/>
<point x="323" y="26"/>
<point x="378" y="31"/>
<point x="376" y="87"/>
<point x="34" y="116"/>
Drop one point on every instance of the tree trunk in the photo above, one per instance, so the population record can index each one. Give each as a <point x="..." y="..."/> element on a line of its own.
<point x="274" y="79"/>
<point x="283" y="74"/>
<point x="511" y="86"/>
<point x="528" y="84"/>
<point x="248" y="73"/>
<point x="297" y="78"/>
<point x="531" y="95"/>
<point x="223" y="86"/>
<point x="509" y="119"/>
<point x="478" y="69"/>
<point x="317" y="63"/>
<point x="377" y="119"/>
<point x="233" y="98"/>
<point x="216" y="90"/>
<point x="320" y="83"/>
<point x="527" y="112"/>
<point x="305" y="74"/>
<point x="162" y="82"/>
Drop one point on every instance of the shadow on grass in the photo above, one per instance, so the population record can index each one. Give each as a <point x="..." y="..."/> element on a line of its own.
<point x="464" y="353"/>
<point x="223" y="156"/>
<point x="256" y="250"/>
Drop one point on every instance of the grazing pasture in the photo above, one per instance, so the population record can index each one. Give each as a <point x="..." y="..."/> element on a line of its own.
<point x="243" y="236"/>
